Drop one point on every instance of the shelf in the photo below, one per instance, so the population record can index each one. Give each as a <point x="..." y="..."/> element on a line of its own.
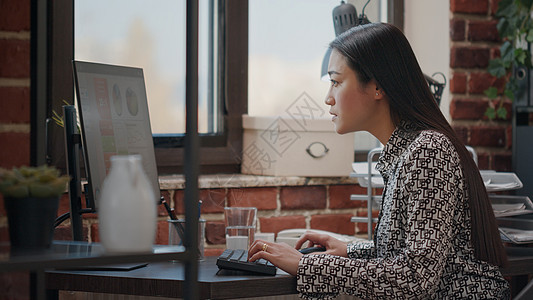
<point x="363" y="220"/>
<point x="375" y="198"/>
<point x="73" y="254"/>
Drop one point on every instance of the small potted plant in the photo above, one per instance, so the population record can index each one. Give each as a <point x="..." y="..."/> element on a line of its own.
<point x="31" y="198"/>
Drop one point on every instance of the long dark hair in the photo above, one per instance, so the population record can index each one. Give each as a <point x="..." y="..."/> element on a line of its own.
<point x="381" y="52"/>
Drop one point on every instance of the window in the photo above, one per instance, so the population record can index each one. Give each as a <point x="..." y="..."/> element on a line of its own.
<point x="232" y="62"/>
<point x="151" y="35"/>
<point x="153" y="38"/>
<point x="288" y="41"/>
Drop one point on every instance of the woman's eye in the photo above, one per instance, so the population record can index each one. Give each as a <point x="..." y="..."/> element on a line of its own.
<point x="334" y="83"/>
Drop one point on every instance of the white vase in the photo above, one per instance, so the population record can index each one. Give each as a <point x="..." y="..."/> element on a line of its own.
<point x="127" y="207"/>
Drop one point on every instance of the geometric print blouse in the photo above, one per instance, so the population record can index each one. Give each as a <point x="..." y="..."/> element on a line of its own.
<point x="422" y="242"/>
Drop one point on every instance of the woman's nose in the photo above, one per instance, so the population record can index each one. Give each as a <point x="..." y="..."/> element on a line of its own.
<point x="329" y="100"/>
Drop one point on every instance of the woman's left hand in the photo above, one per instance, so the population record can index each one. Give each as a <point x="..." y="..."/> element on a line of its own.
<point x="281" y="255"/>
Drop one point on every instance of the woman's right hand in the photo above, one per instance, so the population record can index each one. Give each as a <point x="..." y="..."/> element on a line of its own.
<point x="333" y="246"/>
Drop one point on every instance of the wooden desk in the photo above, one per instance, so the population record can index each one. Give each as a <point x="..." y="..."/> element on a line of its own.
<point x="63" y="254"/>
<point x="167" y="279"/>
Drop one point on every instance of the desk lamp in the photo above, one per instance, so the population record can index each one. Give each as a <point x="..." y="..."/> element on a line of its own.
<point x="344" y="18"/>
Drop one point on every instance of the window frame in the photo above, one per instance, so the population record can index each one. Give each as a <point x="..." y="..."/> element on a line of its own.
<point x="58" y="48"/>
<point x="218" y="154"/>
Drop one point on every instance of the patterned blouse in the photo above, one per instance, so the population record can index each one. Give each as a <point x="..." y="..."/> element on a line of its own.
<point x="421" y="247"/>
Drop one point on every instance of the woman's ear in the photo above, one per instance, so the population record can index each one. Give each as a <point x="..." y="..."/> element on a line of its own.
<point x="379" y="92"/>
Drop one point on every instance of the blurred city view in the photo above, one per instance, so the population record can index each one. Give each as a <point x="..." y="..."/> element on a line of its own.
<point x="287" y="43"/>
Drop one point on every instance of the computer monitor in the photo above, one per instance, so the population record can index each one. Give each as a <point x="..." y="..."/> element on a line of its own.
<point x="114" y="120"/>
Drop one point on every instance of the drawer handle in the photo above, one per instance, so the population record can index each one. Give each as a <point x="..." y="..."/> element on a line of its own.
<point x="317" y="151"/>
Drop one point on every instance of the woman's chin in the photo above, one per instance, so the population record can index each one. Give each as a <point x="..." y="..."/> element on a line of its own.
<point x="339" y="130"/>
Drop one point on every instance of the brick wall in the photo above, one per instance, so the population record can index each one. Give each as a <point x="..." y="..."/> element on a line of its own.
<point x="14" y="114"/>
<point x="324" y="206"/>
<point x="474" y="41"/>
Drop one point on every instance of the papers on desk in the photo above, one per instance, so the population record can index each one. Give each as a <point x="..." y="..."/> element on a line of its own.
<point x="507" y="210"/>
<point x="516" y="236"/>
<point x="500" y="181"/>
<point x="360" y="169"/>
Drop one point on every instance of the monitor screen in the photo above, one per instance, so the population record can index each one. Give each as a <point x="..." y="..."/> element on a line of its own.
<point x="114" y="119"/>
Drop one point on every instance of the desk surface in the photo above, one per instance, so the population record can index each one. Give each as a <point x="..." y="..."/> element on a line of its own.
<point x="167" y="279"/>
<point x="68" y="253"/>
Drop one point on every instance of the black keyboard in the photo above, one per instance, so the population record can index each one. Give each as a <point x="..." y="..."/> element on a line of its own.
<point x="238" y="260"/>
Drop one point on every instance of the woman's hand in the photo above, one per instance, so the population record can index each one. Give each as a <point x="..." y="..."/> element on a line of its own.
<point x="333" y="246"/>
<point x="281" y="255"/>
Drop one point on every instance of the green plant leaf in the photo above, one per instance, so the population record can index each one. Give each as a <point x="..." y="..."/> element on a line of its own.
<point x="520" y="56"/>
<point x="509" y="94"/>
<point x="502" y="113"/>
<point x="505" y="8"/>
<point x="526" y="3"/>
<point x="506" y="51"/>
<point x="490" y="113"/>
<point x="503" y="27"/>
<point x="491" y="92"/>
<point x="529" y="36"/>
<point x="497" y="68"/>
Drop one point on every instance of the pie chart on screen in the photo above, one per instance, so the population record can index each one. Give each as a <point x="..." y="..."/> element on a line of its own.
<point x="132" y="102"/>
<point x="117" y="100"/>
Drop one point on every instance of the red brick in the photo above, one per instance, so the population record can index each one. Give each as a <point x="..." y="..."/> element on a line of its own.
<point x="264" y="198"/>
<point x="4" y="234"/>
<point x="14" y="15"/>
<point x="14" y="58"/>
<point x="303" y="197"/>
<point x="468" y="109"/>
<point x="15" y="285"/>
<point x="479" y="82"/>
<point x="487" y="136"/>
<point x="457" y="29"/>
<point x="458" y="83"/>
<point x="509" y="133"/>
<point x="213" y="251"/>
<point x="483" y="161"/>
<point x="462" y="133"/>
<point x="64" y="233"/>
<point x="469" y="57"/>
<point x="14" y="149"/>
<point x="502" y="162"/>
<point x="276" y="224"/>
<point x="213" y="200"/>
<point x="161" y="236"/>
<point x="494" y="7"/>
<point x="483" y="31"/>
<point x="215" y="233"/>
<point x="339" y="196"/>
<point x="2" y="208"/>
<point x="339" y="223"/>
<point x="495" y="52"/>
<point x="363" y="227"/>
<point x="15" y="105"/>
<point x="95" y="236"/>
<point x="469" y="6"/>
<point x="64" y="204"/>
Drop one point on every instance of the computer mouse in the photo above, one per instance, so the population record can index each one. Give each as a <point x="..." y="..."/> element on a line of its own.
<point x="312" y="249"/>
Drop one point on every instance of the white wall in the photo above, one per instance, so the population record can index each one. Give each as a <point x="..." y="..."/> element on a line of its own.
<point x="427" y="27"/>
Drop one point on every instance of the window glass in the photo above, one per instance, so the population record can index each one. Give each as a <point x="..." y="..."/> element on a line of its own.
<point x="151" y="35"/>
<point x="287" y="43"/>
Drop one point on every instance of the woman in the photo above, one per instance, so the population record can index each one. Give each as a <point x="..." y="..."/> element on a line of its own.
<point x="436" y="237"/>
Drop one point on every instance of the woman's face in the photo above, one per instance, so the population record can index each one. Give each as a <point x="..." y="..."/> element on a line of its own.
<point x="352" y="103"/>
